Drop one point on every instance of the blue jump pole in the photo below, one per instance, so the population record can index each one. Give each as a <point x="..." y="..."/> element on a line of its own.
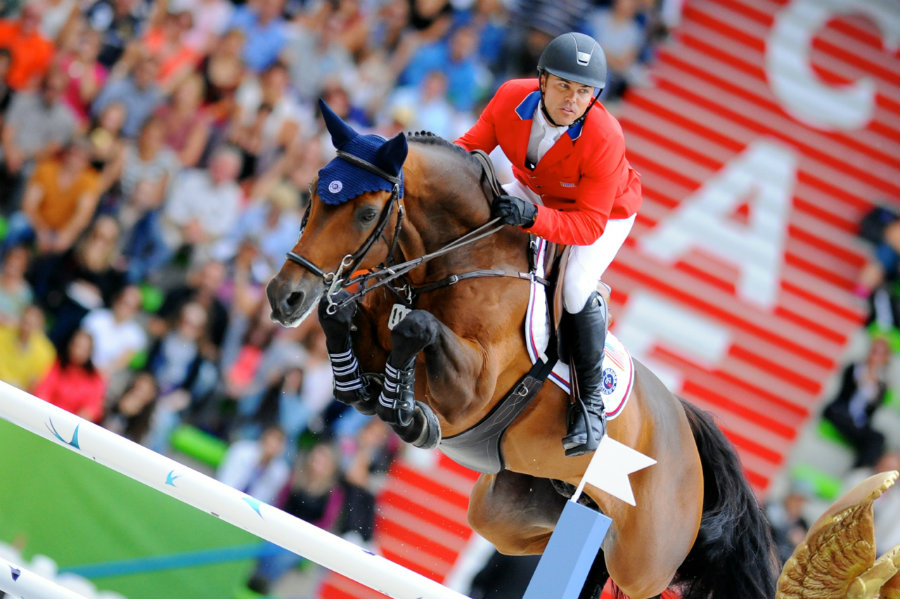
<point x="575" y="542"/>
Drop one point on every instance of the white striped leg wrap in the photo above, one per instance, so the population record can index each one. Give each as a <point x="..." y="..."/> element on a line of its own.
<point x="346" y="371"/>
<point x="389" y="392"/>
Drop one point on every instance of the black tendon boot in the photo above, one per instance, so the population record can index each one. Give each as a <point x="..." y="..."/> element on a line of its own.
<point x="397" y="403"/>
<point x="587" y="416"/>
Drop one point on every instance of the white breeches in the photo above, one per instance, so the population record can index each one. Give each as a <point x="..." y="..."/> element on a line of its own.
<point x="587" y="263"/>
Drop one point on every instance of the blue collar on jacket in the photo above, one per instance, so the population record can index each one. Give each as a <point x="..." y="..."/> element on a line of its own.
<point x="527" y="106"/>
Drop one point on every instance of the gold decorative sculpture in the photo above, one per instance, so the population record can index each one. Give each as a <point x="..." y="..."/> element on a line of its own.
<point x="837" y="559"/>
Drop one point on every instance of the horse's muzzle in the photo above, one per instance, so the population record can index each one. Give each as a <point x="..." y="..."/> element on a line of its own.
<point x="289" y="303"/>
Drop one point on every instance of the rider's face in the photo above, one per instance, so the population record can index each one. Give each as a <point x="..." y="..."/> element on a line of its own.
<point x="565" y="100"/>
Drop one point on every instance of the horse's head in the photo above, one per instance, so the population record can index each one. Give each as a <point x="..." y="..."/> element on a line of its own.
<point x="353" y="200"/>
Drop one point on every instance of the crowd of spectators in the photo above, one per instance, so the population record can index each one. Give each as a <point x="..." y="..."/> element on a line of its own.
<point x="155" y="158"/>
<point x="864" y="388"/>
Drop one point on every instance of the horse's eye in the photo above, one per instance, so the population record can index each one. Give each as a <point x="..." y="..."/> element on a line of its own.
<point x="367" y="215"/>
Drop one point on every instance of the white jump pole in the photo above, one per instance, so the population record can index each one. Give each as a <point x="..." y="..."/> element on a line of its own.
<point x="215" y="498"/>
<point x="19" y="582"/>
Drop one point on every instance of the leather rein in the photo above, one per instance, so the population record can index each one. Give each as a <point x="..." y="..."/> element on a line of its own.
<point x="384" y="274"/>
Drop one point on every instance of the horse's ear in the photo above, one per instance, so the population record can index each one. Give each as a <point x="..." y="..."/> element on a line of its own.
<point x="341" y="132"/>
<point x="392" y="154"/>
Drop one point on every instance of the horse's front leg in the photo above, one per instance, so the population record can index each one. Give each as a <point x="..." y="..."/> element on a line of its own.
<point x="414" y="421"/>
<point x="349" y="386"/>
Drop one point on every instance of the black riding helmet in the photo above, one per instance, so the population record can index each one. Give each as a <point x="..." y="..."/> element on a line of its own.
<point x="576" y="57"/>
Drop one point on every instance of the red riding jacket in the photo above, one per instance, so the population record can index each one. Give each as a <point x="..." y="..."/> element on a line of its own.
<point x="583" y="180"/>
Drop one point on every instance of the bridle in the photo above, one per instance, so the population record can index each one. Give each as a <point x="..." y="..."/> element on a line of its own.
<point x="383" y="274"/>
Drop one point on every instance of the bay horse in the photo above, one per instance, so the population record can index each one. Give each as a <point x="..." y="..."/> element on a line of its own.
<point x="696" y="526"/>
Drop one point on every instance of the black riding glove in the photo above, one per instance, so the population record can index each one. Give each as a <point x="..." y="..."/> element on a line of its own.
<point x="514" y="211"/>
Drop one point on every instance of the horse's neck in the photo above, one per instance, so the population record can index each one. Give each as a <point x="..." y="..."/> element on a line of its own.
<point x="444" y="201"/>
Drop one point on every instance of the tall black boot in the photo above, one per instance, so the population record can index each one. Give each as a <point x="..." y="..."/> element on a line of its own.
<point x="586" y="339"/>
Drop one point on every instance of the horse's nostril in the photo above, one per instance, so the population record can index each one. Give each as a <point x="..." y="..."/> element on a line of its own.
<point x="295" y="298"/>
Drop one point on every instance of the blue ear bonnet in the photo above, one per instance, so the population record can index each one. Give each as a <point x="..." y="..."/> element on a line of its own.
<point x="341" y="181"/>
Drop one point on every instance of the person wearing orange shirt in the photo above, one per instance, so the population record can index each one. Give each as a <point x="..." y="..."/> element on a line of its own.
<point x="31" y="52"/>
<point x="573" y="186"/>
<point x="59" y="202"/>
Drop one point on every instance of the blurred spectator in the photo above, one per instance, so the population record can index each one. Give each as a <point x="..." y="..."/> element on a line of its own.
<point x="184" y="375"/>
<point x="249" y="139"/>
<point x="878" y="278"/>
<point x="58" y="14"/>
<point x="137" y="90"/>
<point x="315" y="497"/>
<point x="789" y="526"/>
<point x="490" y="21"/>
<point x="117" y="332"/>
<point x="223" y="71"/>
<point x="271" y="224"/>
<point x="533" y="24"/>
<point x="86" y="74"/>
<point x="209" y="23"/>
<point x="203" y="206"/>
<point x="428" y="104"/>
<point x="31" y="52"/>
<point x="862" y="391"/>
<point x="143" y="251"/>
<point x="186" y="123"/>
<point x="430" y="19"/>
<point x="283" y="123"/>
<point x="15" y="291"/>
<point x="265" y="31"/>
<point x="73" y="382"/>
<point x="315" y="54"/>
<point x="106" y="141"/>
<point x="147" y="161"/>
<point x="884" y="306"/>
<point x="59" y="202"/>
<point x="35" y="127"/>
<point x="130" y="414"/>
<point x="202" y="287"/>
<point x="622" y="39"/>
<point x="164" y="41"/>
<point x="281" y="403"/>
<point x="119" y="22"/>
<point x="257" y="467"/>
<point x="6" y="92"/>
<point x="80" y="280"/>
<point x="370" y="453"/>
<point x="26" y="354"/>
<point x="468" y="80"/>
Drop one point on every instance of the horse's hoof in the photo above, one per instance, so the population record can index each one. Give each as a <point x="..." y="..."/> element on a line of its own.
<point x="416" y="331"/>
<point x="424" y="431"/>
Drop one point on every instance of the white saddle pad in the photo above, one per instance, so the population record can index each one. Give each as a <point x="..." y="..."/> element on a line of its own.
<point x="618" y="369"/>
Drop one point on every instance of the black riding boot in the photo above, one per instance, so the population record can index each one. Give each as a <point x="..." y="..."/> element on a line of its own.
<point x="586" y="339"/>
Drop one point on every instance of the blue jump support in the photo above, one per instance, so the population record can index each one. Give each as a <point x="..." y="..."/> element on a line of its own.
<point x="575" y="542"/>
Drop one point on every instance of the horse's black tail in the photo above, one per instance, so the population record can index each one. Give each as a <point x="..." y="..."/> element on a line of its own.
<point x="733" y="557"/>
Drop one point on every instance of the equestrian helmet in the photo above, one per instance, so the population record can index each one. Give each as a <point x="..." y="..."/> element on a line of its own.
<point x="575" y="57"/>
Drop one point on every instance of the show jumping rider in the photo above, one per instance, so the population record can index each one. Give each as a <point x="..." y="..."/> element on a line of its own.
<point x="573" y="186"/>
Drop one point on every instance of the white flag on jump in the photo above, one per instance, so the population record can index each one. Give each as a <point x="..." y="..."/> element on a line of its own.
<point x="610" y="467"/>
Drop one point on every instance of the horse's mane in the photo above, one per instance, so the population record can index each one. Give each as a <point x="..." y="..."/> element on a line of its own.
<point x="432" y="139"/>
